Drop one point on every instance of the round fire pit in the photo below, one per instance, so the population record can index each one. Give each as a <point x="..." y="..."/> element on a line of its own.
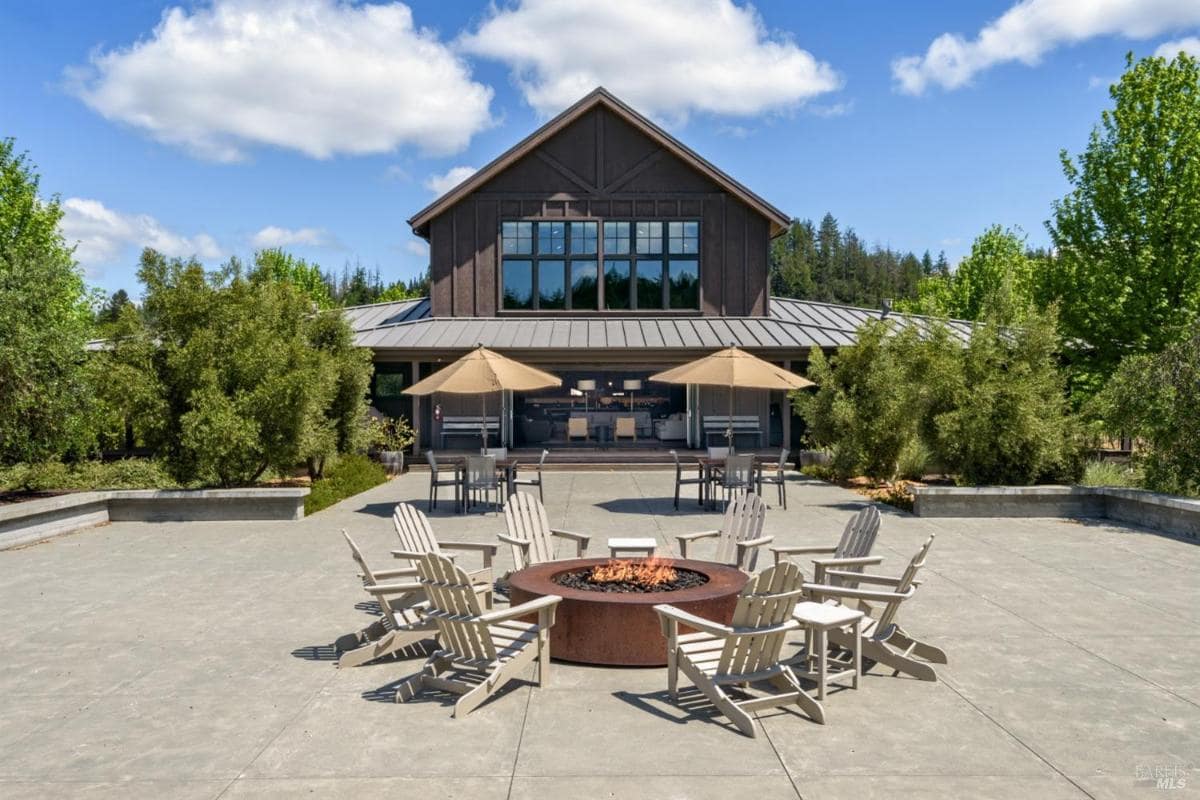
<point x="614" y="627"/>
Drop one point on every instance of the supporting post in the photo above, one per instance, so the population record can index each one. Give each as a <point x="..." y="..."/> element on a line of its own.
<point x="785" y="410"/>
<point x="416" y="412"/>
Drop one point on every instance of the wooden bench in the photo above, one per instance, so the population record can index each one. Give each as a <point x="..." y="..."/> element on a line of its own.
<point x="469" y="427"/>
<point x="748" y="425"/>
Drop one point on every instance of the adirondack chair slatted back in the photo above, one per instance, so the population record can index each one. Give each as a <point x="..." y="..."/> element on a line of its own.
<point x="859" y="536"/>
<point x="908" y="579"/>
<point x="743" y="520"/>
<point x="767" y="600"/>
<point x="526" y="519"/>
<point x="455" y="609"/>
<point x="414" y="530"/>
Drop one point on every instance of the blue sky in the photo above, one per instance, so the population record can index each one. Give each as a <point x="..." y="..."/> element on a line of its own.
<point x="323" y="125"/>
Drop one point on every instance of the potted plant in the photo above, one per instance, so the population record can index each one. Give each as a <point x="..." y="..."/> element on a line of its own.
<point x="389" y="438"/>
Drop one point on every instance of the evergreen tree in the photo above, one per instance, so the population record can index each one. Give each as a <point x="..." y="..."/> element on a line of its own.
<point x="829" y="245"/>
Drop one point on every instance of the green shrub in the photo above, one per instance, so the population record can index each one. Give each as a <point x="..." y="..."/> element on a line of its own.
<point x="348" y="476"/>
<point x="51" y="476"/>
<point x="822" y="472"/>
<point x="860" y="410"/>
<point x="1156" y="400"/>
<point x="1109" y="473"/>
<point x="914" y="460"/>
<point x="1010" y="422"/>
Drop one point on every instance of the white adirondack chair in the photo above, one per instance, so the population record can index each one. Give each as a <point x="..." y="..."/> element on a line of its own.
<point x="530" y="534"/>
<point x="401" y="602"/>
<point x="884" y="641"/>
<point x="740" y="536"/>
<point x="417" y="539"/>
<point x="745" y="651"/>
<point x="494" y="646"/>
<point x="852" y="552"/>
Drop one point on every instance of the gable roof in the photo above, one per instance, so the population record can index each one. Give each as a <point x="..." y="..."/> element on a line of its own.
<point x="599" y="97"/>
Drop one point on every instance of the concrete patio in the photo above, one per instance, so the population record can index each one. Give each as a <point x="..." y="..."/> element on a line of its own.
<point x="195" y="660"/>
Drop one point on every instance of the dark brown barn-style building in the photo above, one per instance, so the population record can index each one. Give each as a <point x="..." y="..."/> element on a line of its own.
<point x="602" y="249"/>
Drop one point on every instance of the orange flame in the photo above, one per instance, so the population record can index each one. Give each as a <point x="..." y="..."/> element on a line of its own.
<point x="650" y="572"/>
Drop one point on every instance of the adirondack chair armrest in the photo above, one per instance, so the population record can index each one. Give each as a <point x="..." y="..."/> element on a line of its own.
<point x="581" y="540"/>
<point x="395" y="573"/>
<point x="861" y="561"/>
<point x="748" y="546"/>
<point x="685" y="539"/>
<point x="413" y="555"/>
<point x="864" y="577"/>
<point x="795" y="550"/>
<point x="759" y="542"/>
<point x="668" y="613"/>
<point x="820" y="590"/>
<point x="802" y="549"/>
<point x="783" y="627"/>
<point x="488" y="550"/>
<point x="515" y="542"/>
<point x="542" y="604"/>
<point x="484" y="546"/>
<point x="393" y="588"/>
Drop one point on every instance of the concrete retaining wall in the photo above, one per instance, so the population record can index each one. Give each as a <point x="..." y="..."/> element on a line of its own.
<point x="1175" y="515"/>
<point x="23" y="523"/>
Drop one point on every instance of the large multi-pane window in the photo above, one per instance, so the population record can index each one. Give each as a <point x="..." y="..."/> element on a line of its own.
<point x="642" y="265"/>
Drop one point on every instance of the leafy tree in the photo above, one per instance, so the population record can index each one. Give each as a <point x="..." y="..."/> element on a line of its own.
<point x="1156" y="399"/>
<point x="997" y="275"/>
<point x="1127" y="273"/>
<point x="308" y="278"/>
<point x="1008" y="420"/>
<point x="124" y="384"/>
<point x="251" y="378"/>
<point x="45" y="317"/>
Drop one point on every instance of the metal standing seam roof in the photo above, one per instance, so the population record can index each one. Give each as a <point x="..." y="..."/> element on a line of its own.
<point x="791" y="325"/>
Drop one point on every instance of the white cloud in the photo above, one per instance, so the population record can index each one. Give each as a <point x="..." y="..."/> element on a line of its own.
<point x="274" y="236"/>
<point x="1188" y="44"/>
<point x="102" y="235"/>
<point x="440" y="184"/>
<point x="417" y="247"/>
<point x="395" y="172"/>
<point x="668" y="58"/>
<point x="1032" y="28"/>
<point x="323" y="77"/>
<point x="832" y="109"/>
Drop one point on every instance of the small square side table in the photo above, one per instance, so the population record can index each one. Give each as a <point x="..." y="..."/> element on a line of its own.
<point x="641" y="546"/>
<point x="818" y="619"/>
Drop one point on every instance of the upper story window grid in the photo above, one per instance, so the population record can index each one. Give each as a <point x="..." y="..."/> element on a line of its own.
<point x="586" y="265"/>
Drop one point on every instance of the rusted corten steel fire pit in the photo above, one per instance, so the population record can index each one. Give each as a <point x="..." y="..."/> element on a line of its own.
<point x="597" y="627"/>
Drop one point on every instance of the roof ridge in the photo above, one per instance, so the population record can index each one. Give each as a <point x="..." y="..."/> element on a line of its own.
<point x="381" y="303"/>
<point x="600" y="96"/>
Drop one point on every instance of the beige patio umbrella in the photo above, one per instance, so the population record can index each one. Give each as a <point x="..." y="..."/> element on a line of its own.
<point x="733" y="367"/>
<point x="481" y="372"/>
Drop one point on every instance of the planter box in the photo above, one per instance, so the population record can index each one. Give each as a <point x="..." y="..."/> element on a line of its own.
<point x="24" y="523"/>
<point x="1179" y="516"/>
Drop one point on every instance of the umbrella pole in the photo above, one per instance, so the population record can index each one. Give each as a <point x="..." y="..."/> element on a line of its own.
<point x="483" y="421"/>
<point x="729" y="426"/>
